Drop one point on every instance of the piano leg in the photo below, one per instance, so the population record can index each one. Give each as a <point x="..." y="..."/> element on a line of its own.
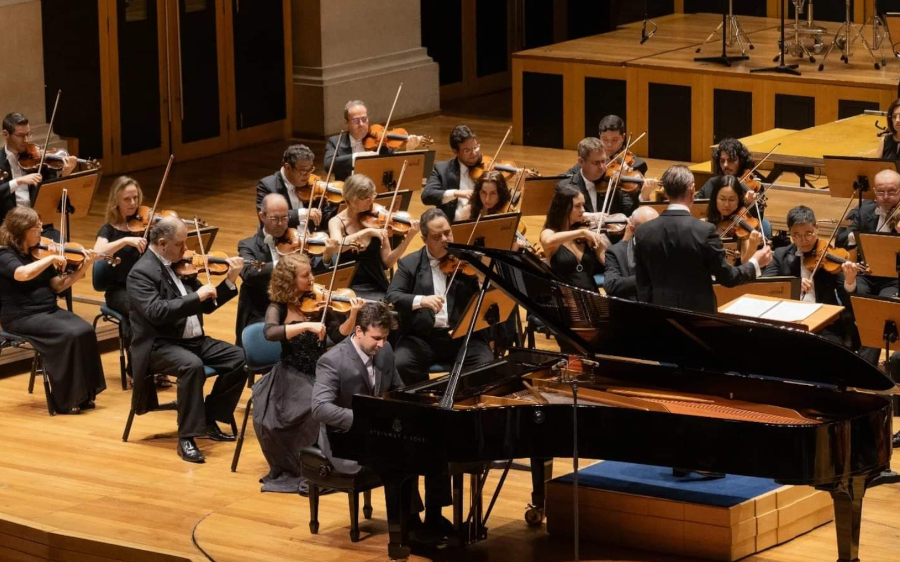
<point x="848" y="498"/>
<point x="541" y="471"/>
<point x="398" y="495"/>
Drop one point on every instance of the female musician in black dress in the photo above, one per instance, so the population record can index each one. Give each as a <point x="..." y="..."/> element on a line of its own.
<point x="724" y="205"/>
<point x="282" y="400"/>
<point x="28" y="289"/>
<point x="890" y="143"/>
<point x="115" y="238"/>
<point x="376" y="254"/>
<point x="576" y="255"/>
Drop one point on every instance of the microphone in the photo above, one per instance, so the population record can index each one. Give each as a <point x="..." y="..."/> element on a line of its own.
<point x="559" y="365"/>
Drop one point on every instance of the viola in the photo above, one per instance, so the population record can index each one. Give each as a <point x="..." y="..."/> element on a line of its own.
<point x="30" y="160"/>
<point x="833" y="260"/>
<point x="377" y="216"/>
<point x="314" y="300"/>
<point x="507" y="168"/>
<point x="333" y="191"/>
<point x="138" y="222"/>
<point x="741" y="228"/>
<point x="191" y="263"/>
<point x="449" y="265"/>
<point x="394" y="138"/>
<point x="73" y="252"/>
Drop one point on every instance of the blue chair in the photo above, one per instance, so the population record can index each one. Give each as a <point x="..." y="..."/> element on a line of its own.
<point x="8" y="340"/>
<point x="261" y="355"/>
<point x="209" y="371"/>
<point x="102" y="273"/>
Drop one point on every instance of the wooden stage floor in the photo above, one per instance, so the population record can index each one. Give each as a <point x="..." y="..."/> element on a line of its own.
<point x="71" y="490"/>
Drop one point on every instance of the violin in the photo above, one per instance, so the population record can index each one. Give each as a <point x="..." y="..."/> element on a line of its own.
<point x="73" y="252"/>
<point x="587" y="227"/>
<point x="30" y="160"/>
<point x="191" y="263"/>
<point x="314" y="300"/>
<point x="394" y="138"/>
<point x="507" y="168"/>
<point x="740" y="228"/>
<point x="138" y="222"/>
<point x="315" y="245"/>
<point x="833" y="260"/>
<point x="751" y="181"/>
<point x="333" y="191"/>
<point x="450" y="262"/>
<point x="377" y="216"/>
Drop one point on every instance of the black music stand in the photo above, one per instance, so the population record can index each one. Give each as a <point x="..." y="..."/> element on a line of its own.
<point x="537" y="194"/>
<point x="81" y="186"/>
<point x="494" y="231"/>
<point x="725" y="58"/>
<point x="782" y="67"/>
<point x="882" y="253"/>
<point x="495" y="309"/>
<point x="384" y="170"/>
<point x="698" y="207"/>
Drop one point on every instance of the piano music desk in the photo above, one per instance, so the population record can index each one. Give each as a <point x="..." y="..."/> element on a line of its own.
<point x="815" y="322"/>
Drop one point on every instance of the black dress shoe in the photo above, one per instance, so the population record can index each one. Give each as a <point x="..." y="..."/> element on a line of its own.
<point x="214" y="433"/>
<point x="88" y="405"/>
<point x="896" y="440"/>
<point x="188" y="451"/>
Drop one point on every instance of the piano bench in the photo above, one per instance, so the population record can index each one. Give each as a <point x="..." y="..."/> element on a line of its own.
<point x="320" y="473"/>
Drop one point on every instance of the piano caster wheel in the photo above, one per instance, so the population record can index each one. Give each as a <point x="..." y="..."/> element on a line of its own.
<point x="534" y="516"/>
<point x="367" y="512"/>
<point x="354" y="536"/>
<point x="314" y="527"/>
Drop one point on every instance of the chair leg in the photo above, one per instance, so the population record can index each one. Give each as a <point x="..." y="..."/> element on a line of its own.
<point x="529" y="333"/>
<point x="51" y="409"/>
<point x="128" y="425"/>
<point x="313" y="509"/>
<point x="240" y="440"/>
<point x="34" y="368"/>
<point x="353" y="498"/>
<point x="367" y="504"/>
<point x="122" y="369"/>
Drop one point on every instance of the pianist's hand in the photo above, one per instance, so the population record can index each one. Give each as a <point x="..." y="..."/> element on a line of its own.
<point x="434" y="302"/>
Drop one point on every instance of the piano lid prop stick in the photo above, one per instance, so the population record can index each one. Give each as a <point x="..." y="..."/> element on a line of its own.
<point x="453" y="382"/>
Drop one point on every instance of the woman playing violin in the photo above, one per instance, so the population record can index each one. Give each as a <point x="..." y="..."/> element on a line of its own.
<point x="28" y="292"/>
<point x="724" y="206"/>
<point x="369" y="282"/>
<point x="282" y="400"/>
<point x="576" y="254"/>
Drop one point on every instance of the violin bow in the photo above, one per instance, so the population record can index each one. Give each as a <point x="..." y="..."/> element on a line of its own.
<point x="828" y="245"/>
<point x="337" y="261"/>
<point x="49" y="131"/>
<point x="329" y="176"/>
<point x="388" y="122"/>
<point x="499" y="148"/>
<point x="512" y="194"/>
<point x="749" y="174"/>
<point x="390" y="215"/>
<point x="162" y="184"/>
<point x="63" y="231"/>
<point x="203" y="255"/>
<point x="312" y="193"/>
<point x="459" y="261"/>
<point x="610" y="191"/>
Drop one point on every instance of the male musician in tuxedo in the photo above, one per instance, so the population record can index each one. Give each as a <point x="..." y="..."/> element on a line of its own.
<point x="677" y="255"/>
<point x="872" y="217"/>
<point x="619" y="279"/>
<point x="824" y="287"/>
<point x="449" y="187"/>
<point x="589" y="177"/>
<point x="296" y="167"/>
<point x="167" y="320"/>
<point x="274" y="216"/>
<point x="428" y="310"/>
<point x="365" y="364"/>
<point x="356" y="125"/>
<point x="19" y="189"/>
<point x="612" y="135"/>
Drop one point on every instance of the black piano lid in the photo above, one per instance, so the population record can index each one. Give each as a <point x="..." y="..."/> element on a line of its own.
<point x="684" y="339"/>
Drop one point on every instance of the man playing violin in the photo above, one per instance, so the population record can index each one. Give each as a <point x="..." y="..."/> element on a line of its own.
<point x="823" y="287"/>
<point x="730" y="158"/>
<point x="450" y="186"/>
<point x="289" y="181"/>
<point x="20" y="188"/>
<point x="167" y="320"/>
<point x="356" y="123"/>
<point x="612" y="135"/>
<point x="428" y="309"/>
<point x="274" y="215"/>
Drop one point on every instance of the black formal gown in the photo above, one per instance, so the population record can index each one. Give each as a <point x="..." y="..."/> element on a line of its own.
<point x="68" y="344"/>
<point x="116" y="293"/>
<point x="370" y="282"/>
<point x="577" y="273"/>
<point x="282" y="401"/>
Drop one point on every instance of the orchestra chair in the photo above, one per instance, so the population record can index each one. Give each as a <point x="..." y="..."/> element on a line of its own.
<point x="8" y="340"/>
<point x="168" y="406"/>
<point x="100" y="278"/>
<point x="320" y="473"/>
<point x="261" y="355"/>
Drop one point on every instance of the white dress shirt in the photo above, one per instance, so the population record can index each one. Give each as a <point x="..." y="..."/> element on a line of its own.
<point x="592" y="191"/>
<point x="192" y="327"/>
<point x="810" y="296"/>
<point x="296" y="202"/>
<point x="439" y="281"/>
<point x="465" y="184"/>
<point x="273" y="248"/>
<point x="23" y="198"/>
<point x="367" y="360"/>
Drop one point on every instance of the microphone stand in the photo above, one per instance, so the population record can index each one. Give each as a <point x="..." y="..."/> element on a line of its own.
<point x="725" y="58"/>
<point x="782" y="67"/>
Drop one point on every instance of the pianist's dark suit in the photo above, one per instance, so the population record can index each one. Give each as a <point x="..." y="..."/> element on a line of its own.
<point x="343" y="164"/>
<point x="675" y="257"/>
<point x="619" y="280"/>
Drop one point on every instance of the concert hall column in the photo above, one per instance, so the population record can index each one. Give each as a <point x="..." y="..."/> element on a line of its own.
<point x="22" y="83"/>
<point x="347" y="49"/>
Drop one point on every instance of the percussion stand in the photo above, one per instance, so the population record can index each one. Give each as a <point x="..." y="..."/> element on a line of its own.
<point x="645" y="36"/>
<point x="878" y="32"/>
<point x="731" y="31"/>
<point x="796" y="47"/>
<point x="782" y="67"/>
<point x="843" y="39"/>
<point x="724" y="58"/>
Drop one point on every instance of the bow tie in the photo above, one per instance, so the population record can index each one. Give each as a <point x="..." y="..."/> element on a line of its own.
<point x="269" y="240"/>
<point x="434" y="263"/>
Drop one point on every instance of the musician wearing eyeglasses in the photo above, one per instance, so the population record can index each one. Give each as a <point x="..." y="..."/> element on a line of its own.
<point x="589" y="177"/>
<point x="289" y="181"/>
<point x="356" y="126"/>
<point x="450" y="186"/>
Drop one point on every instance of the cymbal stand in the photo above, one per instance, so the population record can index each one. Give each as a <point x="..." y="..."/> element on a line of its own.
<point x="645" y="36"/>
<point x="843" y="40"/>
<point x="796" y="47"/>
<point x="879" y="30"/>
<point x="782" y="67"/>
<point x="731" y="31"/>
<point x="724" y="58"/>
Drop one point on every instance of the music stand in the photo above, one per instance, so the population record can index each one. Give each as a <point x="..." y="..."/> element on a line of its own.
<point x="537" y="194"/>
<point x="850" y="176"/>
<point x="404" y="197"/>
<point x="783" y="287"/>
<point x="698" y="207"/>
<point x="384" y="170"/>
<point x="81" y="187"/>
<point x="342" y="278"/>
<point x="882" y="253"/>
<point x="495" y="231"/>
<point x="495" y="309"/>
<point x="208" y="235"/>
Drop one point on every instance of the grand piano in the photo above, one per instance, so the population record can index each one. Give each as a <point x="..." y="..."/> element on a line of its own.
<point x="670" y="388"/>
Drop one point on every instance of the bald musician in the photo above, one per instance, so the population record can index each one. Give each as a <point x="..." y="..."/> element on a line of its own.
<point x="620" y="279"/>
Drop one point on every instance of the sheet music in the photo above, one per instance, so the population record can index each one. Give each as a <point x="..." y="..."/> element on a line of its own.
<point x="791" y="311"/>
<point x="750" y="307"/>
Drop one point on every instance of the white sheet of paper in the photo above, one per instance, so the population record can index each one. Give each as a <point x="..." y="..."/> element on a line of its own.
<point x="750" y="307"/>
<point x="792" y="311"/>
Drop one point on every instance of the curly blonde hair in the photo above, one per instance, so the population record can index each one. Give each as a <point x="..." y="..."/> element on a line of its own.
<point x="283" y="284"/>
<point x="113" y="215"/>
